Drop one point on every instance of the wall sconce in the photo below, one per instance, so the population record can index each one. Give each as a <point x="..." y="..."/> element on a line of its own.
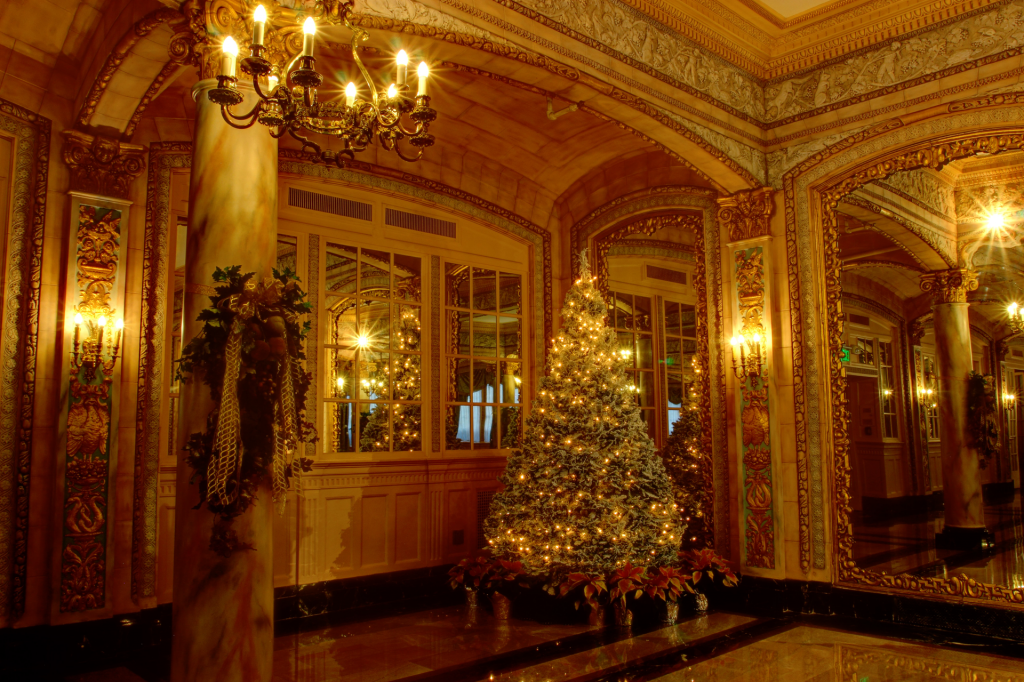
<point x="1016" y="315"/>
<point x="94" y="349"/>
<point x="753" y="356"/>
<point x="1009" y="400"/>
<point x="924" y="394"/>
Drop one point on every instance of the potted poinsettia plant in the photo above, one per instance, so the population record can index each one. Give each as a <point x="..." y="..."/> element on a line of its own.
<point x="623" y="582"/>
<point x="468" y="574"/>
<point x="592" y="588"/>
<point x="503" y="575"/>
<point x="706" y="563"/>
<point x="668" y="584"/>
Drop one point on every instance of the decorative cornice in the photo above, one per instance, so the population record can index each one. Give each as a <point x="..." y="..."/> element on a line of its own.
<point x="747" y="215"/>
<point x="949" y="286"/>
<point x="100" y="165"/>
<point x="873" y="263"/>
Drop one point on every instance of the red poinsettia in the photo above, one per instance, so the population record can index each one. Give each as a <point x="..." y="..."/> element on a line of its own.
<point x="593" y="587"/>
<point x="469" y="572"/>
<point x="625" y="580"/>
<point x="707" y="562"/>
<point x="666" y="583"/>
<point x="502" y="572"/>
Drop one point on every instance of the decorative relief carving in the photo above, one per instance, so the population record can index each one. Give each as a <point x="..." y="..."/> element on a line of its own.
<point x="747" y="215"/>
<point x="100" y="165"/>
<point x="949" y="286"/>
<point x="923" y="189"/>
<point x="750" y="159"/>
<point x="781" y="160"/>
<point x="944" y="246"/>
<point x="759" y="516"/>
<point x="976" y="204"/>
<point x="19" y="345"/>
<point x="87" y="464"/>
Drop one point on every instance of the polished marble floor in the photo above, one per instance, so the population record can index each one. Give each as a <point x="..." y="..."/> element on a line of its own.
<point x="906" y="544"/>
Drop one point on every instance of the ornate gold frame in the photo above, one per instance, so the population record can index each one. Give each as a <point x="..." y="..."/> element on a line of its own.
<point x="934" y="154"/>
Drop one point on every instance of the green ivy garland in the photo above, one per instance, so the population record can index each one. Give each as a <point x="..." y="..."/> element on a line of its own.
<point x="264" y="318"/>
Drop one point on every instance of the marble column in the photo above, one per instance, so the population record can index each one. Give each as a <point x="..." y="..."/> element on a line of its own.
<point x="223" y="607"/>
<point x="961" y="480"/>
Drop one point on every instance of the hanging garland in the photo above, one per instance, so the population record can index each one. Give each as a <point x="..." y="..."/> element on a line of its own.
<point x="249" y="353"/>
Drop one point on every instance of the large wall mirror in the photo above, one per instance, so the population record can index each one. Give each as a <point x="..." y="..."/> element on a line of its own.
<point x="923" y="277"/>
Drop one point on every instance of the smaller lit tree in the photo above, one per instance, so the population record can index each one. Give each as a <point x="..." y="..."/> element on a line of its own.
<point x="684" y="460"/>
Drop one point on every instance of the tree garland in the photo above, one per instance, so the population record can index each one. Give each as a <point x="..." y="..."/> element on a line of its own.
<point x="249" y="353"/>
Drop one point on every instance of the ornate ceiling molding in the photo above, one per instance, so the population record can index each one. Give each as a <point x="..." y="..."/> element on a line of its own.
<point x="747" y="215"/>
<point x="100" y="165"/>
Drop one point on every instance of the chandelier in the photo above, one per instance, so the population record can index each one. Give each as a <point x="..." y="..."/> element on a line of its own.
<point x="395" y="119"/>
<point x="1016" y="315"/>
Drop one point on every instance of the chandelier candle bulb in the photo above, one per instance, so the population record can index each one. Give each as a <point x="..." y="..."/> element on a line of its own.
<point x="423" y="71"/>
<point x="259" y="25"/>
<point x="392" y="91"/>
<point x="350" y="95"/>
<point x="308" y="33"/>
<point x="403" y="67"/>
<point x="229" y="61"/>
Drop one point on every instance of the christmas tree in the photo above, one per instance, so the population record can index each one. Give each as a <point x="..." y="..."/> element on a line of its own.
<point x="587" y="493"/>
<point x="684" y="461"/>
<point x="404" y="381"/>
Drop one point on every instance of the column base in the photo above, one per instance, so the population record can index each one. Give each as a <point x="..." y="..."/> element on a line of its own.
<point x="965" y="539"/>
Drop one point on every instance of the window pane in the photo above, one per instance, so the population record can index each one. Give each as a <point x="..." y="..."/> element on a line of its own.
<point x="407" y="328"/>
<point x="671" y="318"/>
<point x="626" y="346"/>
<point x="375" y="274"/>
<point x="675" y="390"/>
<point x="623" y="311"/>
<point x="485" y="426"/>
<point x="645" y="382"/>
<point x="510" y="337"/>
<point x="287" y="250"/>
<point x="484" y="289"/>
<point x="341" y="427"/>
<point x="485" y="381"/>
<point x="642" y="313"/>
<point x="688" y="319"/>
<point x="511" y="294"/>
<point x="374" y="325"/>
<point x="342" y="329"/>
<point x="406" y="379"/>
<point x="458" y="380"/>
<point x="458" y="333"/>
<point x="374" y="375"/>
<point x="341" y="268"/>
<point x="644" y="351"/>
<point x="374" y="427"/>
<point x="342" y="364"/>
<point x="408" y="280"/>
<point x="485" y="335"/>
<point x="456" y="285"/>
<point x="511" y="382"/>
<point x="673" y="417"/>
<point x="510" y="427"/>
<point x="673" y="355"/>
<point x="458" y="427"/>
<point x="407" y="427"/>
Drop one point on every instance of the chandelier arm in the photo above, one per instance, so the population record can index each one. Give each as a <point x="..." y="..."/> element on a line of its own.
<point x="252" y="112"/>
<point x="280" y="132"/>
<point x="360" y="34"/>
<point x="411" y="159"/>
<point x="306" y="142"/>
<point x="228" y="116"/>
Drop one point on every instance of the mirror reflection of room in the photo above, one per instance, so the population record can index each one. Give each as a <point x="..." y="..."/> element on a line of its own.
<point x="934" y="364"/>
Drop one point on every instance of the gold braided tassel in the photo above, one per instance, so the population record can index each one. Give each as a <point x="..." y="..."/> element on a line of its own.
<point x="285" y="431"/>
<point x="225" y="462"/>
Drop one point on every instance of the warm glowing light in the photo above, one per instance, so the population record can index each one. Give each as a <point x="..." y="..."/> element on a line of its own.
<point x="102" y="321"/>
<point x="1012" y="309"/>
<point x="341" y="383"/>
<point x="756" y="338"/>
<point x="272" y="82"/>
<point x="735" y="341"/>
<point x="260" y="14"/>
<point x="363" y="341"/>
<point x="119" y="325"/>
<point x="230" y="46"/>
<point x="350" y="94"/>
<point x="402" y="58"/>
<point x="392" y="91"/>
<point x="78" y="318"/>
<point x="995" y="221"/>
<point x="309" y="27"/>
<point x="423" y="70"/>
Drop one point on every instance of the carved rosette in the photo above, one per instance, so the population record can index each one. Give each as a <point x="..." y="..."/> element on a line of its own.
<point x="949" y="286"/>
<point x="100" y="165"/>
<point x="747" y="214"/>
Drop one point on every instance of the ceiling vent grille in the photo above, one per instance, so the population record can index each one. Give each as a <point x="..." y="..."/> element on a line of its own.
<point x="862" y="320"/>
<point x="420" y="223"/>
<point x="666" y="275"/>
<point x="1017" y="353"/>
<point x="325" y="203"/>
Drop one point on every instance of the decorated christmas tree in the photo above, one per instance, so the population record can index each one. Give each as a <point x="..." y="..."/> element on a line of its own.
<point x="587" y="493"/>
<point x="684" y="461"/>
<point x="403" y="377"/>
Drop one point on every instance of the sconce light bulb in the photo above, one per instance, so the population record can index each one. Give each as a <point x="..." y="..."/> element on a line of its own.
<point x="402" y="58"/>
<point x="309" y="27"/>
<point x="1012" y="309"/>
<point x="341" y="382"/>
<point x="260" y="14"/>
<point x="735" y="341"/>
<point x="78" y="318"/>
<point x="230" y="46"/>
<point x="102" y="321"/>
<point x="350" y="90"/>
<point x="423" y="70"/>
<point x="756" y="338"/>
<point x="119" y="325"/>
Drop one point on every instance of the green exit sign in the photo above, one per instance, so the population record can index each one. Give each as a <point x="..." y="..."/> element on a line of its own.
<point x="844" y="355"/>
